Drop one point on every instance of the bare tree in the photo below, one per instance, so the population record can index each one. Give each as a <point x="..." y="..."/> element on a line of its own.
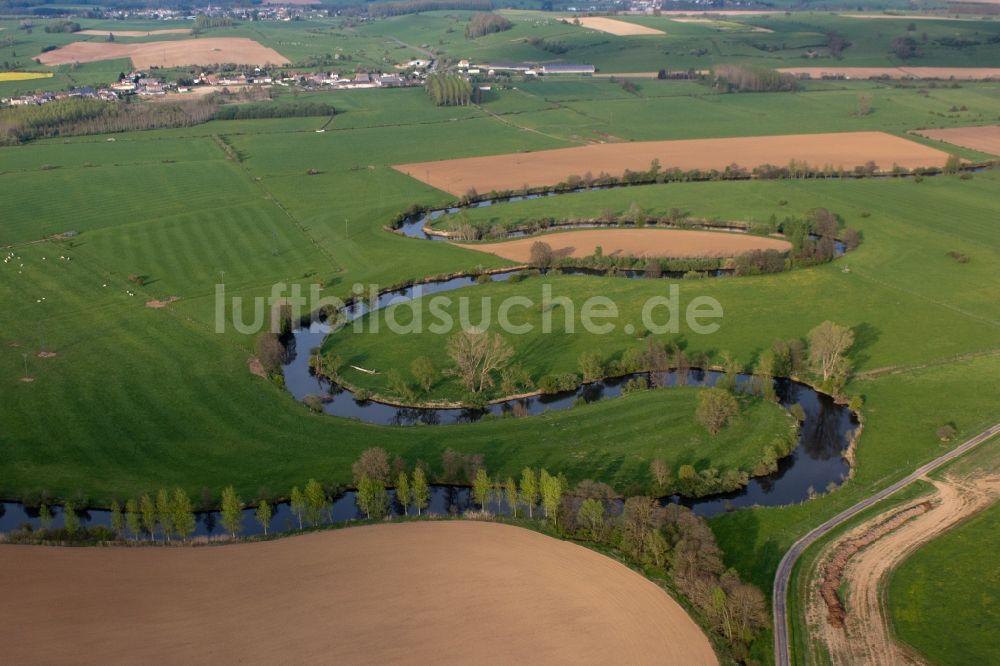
<point x="477" y="354"/>
<point x="373" y="463"/>
<point x="540" y="254"/>
<point x="828" y="343"/>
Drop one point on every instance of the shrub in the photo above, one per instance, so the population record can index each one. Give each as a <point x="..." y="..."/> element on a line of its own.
<point x="558" y="383"/>
<point x="946" y="432"/>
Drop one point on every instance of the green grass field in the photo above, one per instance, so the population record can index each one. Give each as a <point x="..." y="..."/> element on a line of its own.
<point x="138" y="398"/>
<point x="929" y="596"/>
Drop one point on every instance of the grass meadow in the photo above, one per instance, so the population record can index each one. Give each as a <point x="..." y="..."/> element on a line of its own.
<point x="138" y="398"/>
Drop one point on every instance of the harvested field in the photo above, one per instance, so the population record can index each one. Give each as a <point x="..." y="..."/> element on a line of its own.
<point x="548" y="167"/>
<point x="136" y="33"/>
<point x="672" y="243"/>
<point x="945" y="73"/>
<point x="985" y="139"/>
<point x="468" y="592"/>
<point x="176" y="53"/>
<point x="23" y="76"/>
<point x="863" y="559"/>
<point x="615" y="27"/>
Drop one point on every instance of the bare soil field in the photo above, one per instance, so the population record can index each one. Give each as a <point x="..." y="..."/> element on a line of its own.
<point x="513" y="171"/>
<point x="136" y="33"/>
<point x="959" y="73"/>
<point x="985" y="139"/>
<point x="614" y="27"/>
<point x="863" y="559"/>
<point x="176" y="53"/>
<point x="672" y="243"/>
<point x="441" y="592"/>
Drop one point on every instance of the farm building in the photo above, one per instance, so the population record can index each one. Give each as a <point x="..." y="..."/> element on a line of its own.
<point x="568" y="69"/>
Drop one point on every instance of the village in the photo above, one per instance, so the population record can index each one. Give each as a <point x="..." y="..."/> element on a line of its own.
<point x="145" y="84"/>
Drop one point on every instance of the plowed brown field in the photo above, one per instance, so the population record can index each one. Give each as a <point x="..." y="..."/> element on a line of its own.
<point x="548" y="167"/>
<point x="673" y="243"/>
<point x="432" y="592"/>
<point x="985" y="139"/>
<point x="176" y="53"/>
<point x="615" y="27"/>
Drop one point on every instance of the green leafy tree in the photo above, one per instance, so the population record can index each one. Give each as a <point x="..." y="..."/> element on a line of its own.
<point x="529" y="489"/>
<point x="590" y="516"/>
<point x="424" y="372"/>
<point x="45" y="516"/>
<point x="510" y="488"/>
<point x="71" y="522"/>
<point x="552" y="491"/>
<point x="263" y="514"/>
<point x="716" y="409"/>
<point x="372" y="499"/>
<point x="591" y="366"/>
<point x="297" y="503"/>
<point x="232" y="511"/>
<point x="148" y="510"/>
<point x="164" y="513"/>
<point x="420" y="490"/>
<point x="133" y="519"/>
<point x="183" y="514"/>
<point x="315" y="501"/>
<point x="481" y="488"/>
<point x="117" y="519"/>
<point x="403" y="490"/>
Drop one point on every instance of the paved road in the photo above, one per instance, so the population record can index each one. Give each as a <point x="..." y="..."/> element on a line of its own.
<point x="779" y="603"/>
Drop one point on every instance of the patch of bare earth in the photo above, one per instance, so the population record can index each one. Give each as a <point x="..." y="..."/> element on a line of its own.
<point x="136" y="33"/>
<point x="430" y="592"/>
<point x="174" y="53"/>
<point x="513" y="171"/>
<point x="985" y="139"/>
<point x="616" y="27"/>
<point x="156" y="304"/>
<point x="673" y="243"/>
<point x="851" y="622"/>
<point x="256" y="367"/>
<point x="46" y="354"/>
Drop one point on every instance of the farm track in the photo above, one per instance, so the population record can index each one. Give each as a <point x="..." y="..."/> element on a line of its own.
<point x="782" y="578"/>
<point x="902" y="369"/>
<point x="864" y="559"/>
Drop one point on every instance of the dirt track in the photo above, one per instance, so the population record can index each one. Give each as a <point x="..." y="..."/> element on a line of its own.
<point x="889" y="538"/>
<point x="674" y="243"/>
<point x="442" y="592"/>
<point x="548" y="167"/>
<point x="959" y="73"/>
<point x="615" y="27"/>
<point x="175" y="53"/>
<point x="985" y="139"/>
